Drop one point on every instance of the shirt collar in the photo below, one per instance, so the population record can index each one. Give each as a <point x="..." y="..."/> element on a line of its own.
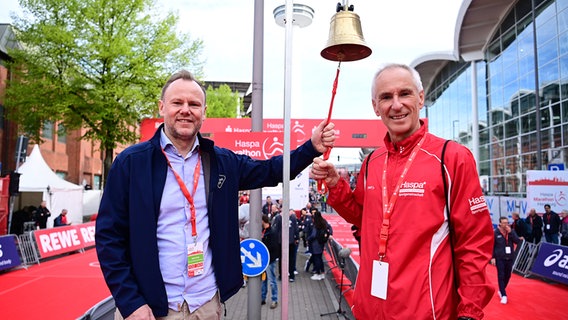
<point x="168" y="146"/>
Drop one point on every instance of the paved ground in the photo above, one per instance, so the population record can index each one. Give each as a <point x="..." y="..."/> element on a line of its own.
<point x="307" y="299"/>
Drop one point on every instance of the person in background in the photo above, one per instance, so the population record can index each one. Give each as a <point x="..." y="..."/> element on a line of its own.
<point x="41" y="215"/>
<point x="535" y="222"/>
<point x="273" y="212"/>
<point x="61" y="219"/>
<point x="293" y="240"/>
<point x="433" y="269"/>
<point x="175" y="251"/>
<point x="551" y="224"/>
<point x="267" y="207"/>
<point x="269" y="238"/>
<point x="244" y="198"/>
<point x="504" y="254"/>
<point x="564" y="228"/>
<point x="521" y="227"/>
<point x="323" y="203"/>
<point x="318" y="238"/>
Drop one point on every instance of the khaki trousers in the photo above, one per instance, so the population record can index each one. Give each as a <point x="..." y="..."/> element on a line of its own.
<point x="209" y="311"/>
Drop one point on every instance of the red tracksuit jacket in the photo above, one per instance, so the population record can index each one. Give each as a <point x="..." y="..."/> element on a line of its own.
<point x="421" y="278"/>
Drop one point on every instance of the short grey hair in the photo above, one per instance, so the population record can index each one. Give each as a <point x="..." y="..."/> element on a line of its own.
<point x="388" y="66"/>
<point x="184" y="75"/>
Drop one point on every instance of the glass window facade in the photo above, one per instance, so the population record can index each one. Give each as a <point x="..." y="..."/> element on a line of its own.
<point x="513" y="132"/>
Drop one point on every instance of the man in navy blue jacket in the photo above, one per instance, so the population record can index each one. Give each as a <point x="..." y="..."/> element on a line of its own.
<point x="167" y="233"/>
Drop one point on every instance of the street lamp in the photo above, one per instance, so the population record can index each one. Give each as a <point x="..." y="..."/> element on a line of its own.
<point x="299" y="15"/>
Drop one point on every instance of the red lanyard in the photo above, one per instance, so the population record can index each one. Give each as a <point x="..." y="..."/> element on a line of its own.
<point x="506" y="236"/>
<point x="183" y="187"/>
<point x="388" y="204"/>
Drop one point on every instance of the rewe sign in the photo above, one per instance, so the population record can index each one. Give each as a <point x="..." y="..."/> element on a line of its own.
<point x="56" y="241"/>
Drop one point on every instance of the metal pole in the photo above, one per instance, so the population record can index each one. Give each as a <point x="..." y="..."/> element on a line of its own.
<point x="286" y="170"/>
<point x="474" y="115"/>
<point x="536" y="93"/>
<point x="255" y="214"/>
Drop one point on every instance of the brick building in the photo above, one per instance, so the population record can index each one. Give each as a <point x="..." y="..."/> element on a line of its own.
<point x="74" y="160"/>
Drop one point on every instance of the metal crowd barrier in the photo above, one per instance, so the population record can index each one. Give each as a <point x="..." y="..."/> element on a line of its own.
<point x="525" y="258"/>
<point x="349" y="266"/>
<point x="28" y="249"/>
<point x="103" y="310"/>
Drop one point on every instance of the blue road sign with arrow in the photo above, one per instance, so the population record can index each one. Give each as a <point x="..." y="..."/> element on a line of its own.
<point x="254" y="257"/>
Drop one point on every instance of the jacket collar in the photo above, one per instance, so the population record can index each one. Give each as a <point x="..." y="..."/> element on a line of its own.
<point x="406" y="145"/>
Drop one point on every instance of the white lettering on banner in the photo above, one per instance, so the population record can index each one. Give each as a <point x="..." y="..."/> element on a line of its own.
<point x="59" y="240"/>
<point x="275" y="126"/>
<point x="247" y="144"/>
<point x="557" y="256"/>
<point x="252" y="154"/>
<point x="6" y="262"/>
<point x="88" y="234"/>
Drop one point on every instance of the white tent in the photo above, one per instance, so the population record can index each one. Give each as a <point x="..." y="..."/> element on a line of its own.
<point x="37" y="176"/>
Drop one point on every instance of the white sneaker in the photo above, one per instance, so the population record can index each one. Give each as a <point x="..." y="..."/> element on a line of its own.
<point x="504" y="300"/>
<point x="322" y="276"/>
<point x="295" y="272"/>
<point x="316" y="277"/>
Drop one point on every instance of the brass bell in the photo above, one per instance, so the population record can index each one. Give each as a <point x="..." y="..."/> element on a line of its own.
<point x="345" y="42"/>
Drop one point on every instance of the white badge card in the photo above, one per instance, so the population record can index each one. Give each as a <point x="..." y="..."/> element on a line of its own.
<point x="508" y="250"/>
<point x="195" y="259"/>
<point x="547" y="227"/>
<point x="380" y="279"/>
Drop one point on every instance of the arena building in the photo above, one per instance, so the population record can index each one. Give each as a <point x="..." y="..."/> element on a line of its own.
<point x="509" y="57"/>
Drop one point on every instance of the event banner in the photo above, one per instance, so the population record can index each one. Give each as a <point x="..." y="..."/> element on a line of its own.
<point x="552" y="262"/>
<point x="9" y="257"/>
<point x="257" y="145"/>
<point x="547" y="187"/>
<point x="352" y="133"/>
<point x="59" y="240"/>
<point x="500" y="206"/>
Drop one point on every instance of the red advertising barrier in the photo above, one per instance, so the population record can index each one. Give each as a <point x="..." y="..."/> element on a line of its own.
<point x="59" y="240"/>
<point x="350" y="133"/>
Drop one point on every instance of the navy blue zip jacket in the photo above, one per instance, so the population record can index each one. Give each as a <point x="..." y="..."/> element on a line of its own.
<point x="126" y="240"/>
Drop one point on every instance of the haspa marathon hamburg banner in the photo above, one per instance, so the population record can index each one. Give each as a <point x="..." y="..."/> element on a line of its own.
<point x="552" y="262"/>
<point x="350" y="133"/>
<point x="547" y="187"/>
<point x="59" y="240"/>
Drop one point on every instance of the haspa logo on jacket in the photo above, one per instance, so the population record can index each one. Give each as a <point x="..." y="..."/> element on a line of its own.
<point x="412" y="189"/>
<point x="477" y="204"/>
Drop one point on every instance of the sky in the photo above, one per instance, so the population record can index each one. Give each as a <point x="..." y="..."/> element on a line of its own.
<point x="396" y="31"/>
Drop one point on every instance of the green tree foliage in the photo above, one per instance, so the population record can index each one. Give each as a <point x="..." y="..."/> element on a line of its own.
<point x="222" y="102"/>
<point x="94" y="64"/>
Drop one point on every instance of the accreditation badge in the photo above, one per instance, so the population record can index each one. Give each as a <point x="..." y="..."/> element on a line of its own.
<point x="380" y="279"/>
<point x="195" y="259"/>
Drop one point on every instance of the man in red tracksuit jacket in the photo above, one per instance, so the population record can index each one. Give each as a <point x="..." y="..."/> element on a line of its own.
<point x="409" y="269"/>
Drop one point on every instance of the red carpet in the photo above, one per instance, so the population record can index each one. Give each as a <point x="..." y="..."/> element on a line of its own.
<point x="62" y="288"/>
<point x="529" y="299"/>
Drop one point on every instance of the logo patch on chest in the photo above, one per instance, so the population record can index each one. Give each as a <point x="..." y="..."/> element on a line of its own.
<point x="412" y="189"/>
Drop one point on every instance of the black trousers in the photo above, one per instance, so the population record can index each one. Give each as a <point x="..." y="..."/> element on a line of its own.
<point x="504" y="270"/>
